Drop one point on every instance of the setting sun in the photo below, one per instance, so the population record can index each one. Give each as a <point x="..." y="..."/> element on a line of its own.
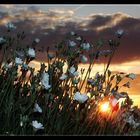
<point x="105" y="107"/>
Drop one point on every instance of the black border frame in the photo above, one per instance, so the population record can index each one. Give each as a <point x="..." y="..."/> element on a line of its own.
<point x="69" y="2"/>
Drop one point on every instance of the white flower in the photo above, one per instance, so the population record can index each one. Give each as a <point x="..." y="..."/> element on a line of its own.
<point x="37" y="108"/>
<point x="81" y="98"/>
<point x="45" y="80"/>
<point x="51" y="55"/>
<point x="119" y="95"/>
<point x="72" y="33"/>
<point x="72" y="71"/>
<point x="114" y="102"/>
<point x="78" y="38"/>
<point x="2" y="40"/>
<point x="136" y="125"/>
<point x="25" y="66"/>
<point x="37" y="40"/>
<point x="7" y="66"/>
<point x="120" y="33"/>
<point x="72" y="43"/>
<point x="31" y="52"/>
<point x="131" y="75"/>
<point x="84" y="59"/>
<point x="92" y="81"/>
<point x="37" y="125"/>
<point x="85" y="46"/>
<point x="18" y="61"/>
<point x="10" y="26"/>
<point x="21" y="123"/>
<point x="63" y="77"/>
<point x="130" y="120"/>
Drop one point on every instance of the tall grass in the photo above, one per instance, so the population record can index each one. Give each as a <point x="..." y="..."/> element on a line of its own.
<point x="53" y="98"/>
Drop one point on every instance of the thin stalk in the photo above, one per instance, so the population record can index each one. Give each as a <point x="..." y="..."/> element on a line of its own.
<point x="109" y="62"/>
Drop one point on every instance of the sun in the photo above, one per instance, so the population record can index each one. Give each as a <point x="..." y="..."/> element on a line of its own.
<point x="105" y="107"/>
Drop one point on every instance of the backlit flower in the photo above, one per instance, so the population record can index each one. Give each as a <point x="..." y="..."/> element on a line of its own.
<point x="25" y="66"/>
<point x="118" y="95"/>
<point x="36" y="125"/>
<point x="37" y="108"/>
<point x="85" y="46"/>
<point x="136" y="125"/>
<point x="84" y="59"/>
<point x="7" y="66"/>
<point x="31" y="52"/>
<point x="114" y="102"/>
<point x="72" y="43"/>
<point x="2" y="40"/>
<point x="130" y="120"/>
<point x="120" y="33"/>
<point x="18" y="61"/>
<point x="63" y="77"/>
<point x="37" y="40"/>
<point x="92" y="81"/>
<point x="81" y="98"/>
<point x="72" y="33"/>
<point x="72" y="71"/>
<point x="79" y="38"/>
<point x="45" y="81"/>
<point x="10" y="26"/>
<point x="21" y="123"/>
<point x="131" y="75"/>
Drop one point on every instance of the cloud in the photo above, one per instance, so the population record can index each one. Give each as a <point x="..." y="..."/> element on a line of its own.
<point x="4" y="7"/>
<point x="4" y="18"/>
<point x="100" y="22"/>
<point x="52" y="26"/>
<point x="45" y="19"/>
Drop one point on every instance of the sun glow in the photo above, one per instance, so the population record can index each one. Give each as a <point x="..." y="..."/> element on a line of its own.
<point x="124" y="67"/>
<point x="105" y="107"/>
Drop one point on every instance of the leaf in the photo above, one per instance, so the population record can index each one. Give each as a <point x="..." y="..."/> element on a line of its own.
<point x="109" y="73"/>
<point x="127" y="85"/>
<point x="107" y="91"/>
<point x="118" y="78"/>
<point x="124" y="94"/>
<point x="112" y="77"/>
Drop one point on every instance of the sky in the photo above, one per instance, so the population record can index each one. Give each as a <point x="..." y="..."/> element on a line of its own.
<point x="51" y="23"/>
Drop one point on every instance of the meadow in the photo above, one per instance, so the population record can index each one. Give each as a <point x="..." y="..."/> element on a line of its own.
<point x="60" y="98"/>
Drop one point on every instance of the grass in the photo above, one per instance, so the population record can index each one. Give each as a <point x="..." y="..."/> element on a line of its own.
<point x="62" y="108"/>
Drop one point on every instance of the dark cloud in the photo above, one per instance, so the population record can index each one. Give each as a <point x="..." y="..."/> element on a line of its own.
<point x="98" y="20"/>
<point x="52" y="26"/>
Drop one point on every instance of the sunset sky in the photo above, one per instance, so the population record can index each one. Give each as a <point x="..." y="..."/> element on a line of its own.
<point x="51" y="23"/>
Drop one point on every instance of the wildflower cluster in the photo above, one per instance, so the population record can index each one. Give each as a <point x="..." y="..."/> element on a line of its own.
<point x="57" y="99"/>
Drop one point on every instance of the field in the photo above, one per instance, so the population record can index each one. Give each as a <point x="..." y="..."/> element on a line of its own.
<point x="60" y="98"/>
